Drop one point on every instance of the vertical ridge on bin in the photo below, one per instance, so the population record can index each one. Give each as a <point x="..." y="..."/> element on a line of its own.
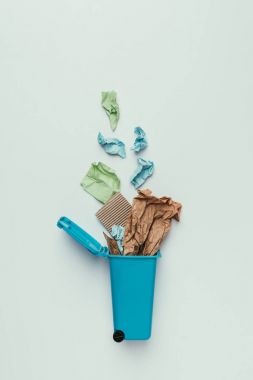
<point x="115" y="211"/>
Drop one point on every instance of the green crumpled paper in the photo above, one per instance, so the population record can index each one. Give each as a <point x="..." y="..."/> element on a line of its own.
<point x="101" y="182"/>
<point x="111" y="107"/>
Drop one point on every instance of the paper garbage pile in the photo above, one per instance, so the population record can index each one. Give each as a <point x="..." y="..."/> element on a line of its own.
<point x="145" y="227"/>
<point x="138" y="228"/>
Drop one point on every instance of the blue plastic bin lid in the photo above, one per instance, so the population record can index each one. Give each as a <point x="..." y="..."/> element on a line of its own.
<point x="82" y="237"/>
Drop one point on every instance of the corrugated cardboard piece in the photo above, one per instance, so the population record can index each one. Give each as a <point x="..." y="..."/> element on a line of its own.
<point x="115" y="211"/>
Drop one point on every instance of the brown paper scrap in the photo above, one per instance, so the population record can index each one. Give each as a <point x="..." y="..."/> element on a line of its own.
<point x="112" y="245"/>
<point x="149" y="223"/>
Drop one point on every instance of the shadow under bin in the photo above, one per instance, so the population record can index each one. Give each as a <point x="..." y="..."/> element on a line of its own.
<point x="132" y="285"/>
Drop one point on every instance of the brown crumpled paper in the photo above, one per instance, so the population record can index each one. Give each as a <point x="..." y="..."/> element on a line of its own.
<point x="112" y="245"/>
<point x="148" y="223"/>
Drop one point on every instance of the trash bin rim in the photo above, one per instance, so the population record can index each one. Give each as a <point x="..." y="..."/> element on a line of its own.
<point x="141" y="257"/>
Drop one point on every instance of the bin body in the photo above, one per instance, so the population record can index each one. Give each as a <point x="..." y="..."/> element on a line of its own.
<point x="132" y="287"/>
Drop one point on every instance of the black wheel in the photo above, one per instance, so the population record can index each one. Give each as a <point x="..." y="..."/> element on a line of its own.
<point x="118" y="336"/>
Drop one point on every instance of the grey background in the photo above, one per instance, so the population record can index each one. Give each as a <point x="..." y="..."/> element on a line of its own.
<point x="183" y="71"/>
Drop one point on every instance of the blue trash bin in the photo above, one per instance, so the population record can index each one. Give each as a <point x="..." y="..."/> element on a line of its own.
<point x="132" y="285"/>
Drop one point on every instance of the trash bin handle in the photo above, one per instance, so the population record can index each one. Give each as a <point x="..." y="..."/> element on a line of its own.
<point x="82" y="237"/>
